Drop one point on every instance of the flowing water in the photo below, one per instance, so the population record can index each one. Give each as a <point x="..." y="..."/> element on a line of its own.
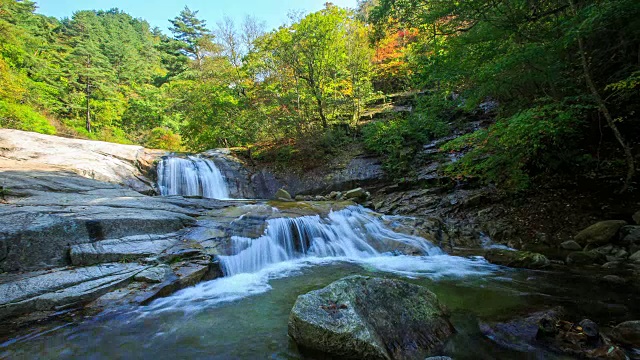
<point x="191" y="176"/>
<point x="244" y="314"/>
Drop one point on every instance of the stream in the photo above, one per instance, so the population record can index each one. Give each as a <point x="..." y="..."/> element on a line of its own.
<point x="244" y="314"/>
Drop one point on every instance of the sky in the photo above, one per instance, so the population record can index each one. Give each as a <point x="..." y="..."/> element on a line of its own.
<point x="158" y="12"/>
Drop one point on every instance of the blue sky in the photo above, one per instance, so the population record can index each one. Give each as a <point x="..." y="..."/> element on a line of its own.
<point x="157" y="12"/>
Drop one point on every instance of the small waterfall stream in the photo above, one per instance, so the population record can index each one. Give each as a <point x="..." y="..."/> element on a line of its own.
<point x="354" y="233"/>
<point x="191" y="176"/>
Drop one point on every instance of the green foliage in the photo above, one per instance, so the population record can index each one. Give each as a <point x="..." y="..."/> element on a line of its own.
<point x="399" y="140"/>
<point x="542" y="138"/>
<point x="518" y="53"/>
<point x="23" y="117"/>
<point x="163" y="138"/>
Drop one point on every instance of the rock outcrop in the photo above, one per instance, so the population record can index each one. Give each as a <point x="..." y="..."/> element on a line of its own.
<point x="128" y="165"/>
<point x="360" y="170"/>
<point x="370" y="318"/>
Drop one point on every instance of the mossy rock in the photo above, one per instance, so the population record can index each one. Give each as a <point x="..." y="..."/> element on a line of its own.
<point x="370" y="318"/>
<point x="600" y="233"/>
<point x="517" y="259"/>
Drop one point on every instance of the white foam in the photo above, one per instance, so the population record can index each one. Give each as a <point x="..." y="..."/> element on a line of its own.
<point x="216" y="292"/>
<point x="191" y="176"/>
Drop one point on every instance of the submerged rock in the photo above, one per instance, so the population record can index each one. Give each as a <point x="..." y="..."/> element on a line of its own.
<point x="600" y="233"/>
<point x="370" y="318"/>
<point x="517" y="259"/>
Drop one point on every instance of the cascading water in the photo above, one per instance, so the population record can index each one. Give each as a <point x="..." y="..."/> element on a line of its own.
<point x="353" y="233"/>
<point x="191" y="176"/>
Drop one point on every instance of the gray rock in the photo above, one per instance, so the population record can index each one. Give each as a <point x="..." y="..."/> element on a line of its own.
<point x="517" y="259"/>
<point x="539" y="331"/>
<point x="156" y="274"/>
<point x="590" y="329"/>
<point x="611" y="265"/>
<point x="614" y="280"/>
<point x="52" y="290"/>
<point x="630" y="235"/>
<point x="353" y="194"/>
<point x="571" y="245"/>
<point x="102" y="161"/>
<point x="185" y="274"/>
<point x="600" y="233"/>
<point x="127" y="249"/>
<point x="635" y="257"/>
<point x="636" y="218"/>
<point x="351" y="318"/>
<point x="37" y="237"/>
<point x="585" y="258"/>
<point x="283" y="195"/>
<point x="627" y="333"/>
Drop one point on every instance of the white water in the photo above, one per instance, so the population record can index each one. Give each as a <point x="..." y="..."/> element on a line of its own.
<point x="191" y="176"/>
<point x="289" y="245"/>
<point x="353" y="233"/>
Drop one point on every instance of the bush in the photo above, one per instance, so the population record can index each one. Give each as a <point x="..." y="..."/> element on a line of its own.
<point x="23" y="117"/>
<point x="163" y="138"/>
<point x="508" y="152"/>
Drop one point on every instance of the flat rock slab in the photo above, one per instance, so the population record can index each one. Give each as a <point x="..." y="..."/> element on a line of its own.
<point x="60" y="288"/>
<point x="125" y="249"/>
<point x="36" y="237"/>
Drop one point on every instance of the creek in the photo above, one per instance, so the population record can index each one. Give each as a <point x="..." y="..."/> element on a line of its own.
<point x="244" y="314"/>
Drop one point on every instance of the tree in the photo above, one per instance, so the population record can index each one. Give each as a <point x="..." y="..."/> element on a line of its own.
<point x="317" y="52"/>
<point x="89" y="70"/>
<point x="193" y="34"/>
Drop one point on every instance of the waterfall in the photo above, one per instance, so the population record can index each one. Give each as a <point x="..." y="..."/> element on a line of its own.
<point x="353" y="233"/>
<point x="191" y="176"/>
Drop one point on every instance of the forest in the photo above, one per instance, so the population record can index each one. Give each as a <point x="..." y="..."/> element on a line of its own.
<point x="560" y="80"/>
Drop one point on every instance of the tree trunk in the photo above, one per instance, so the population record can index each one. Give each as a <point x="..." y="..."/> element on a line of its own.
<point x="323" y="117"/>
<point x="602" y="106"/>
<point x="88" y="107"/>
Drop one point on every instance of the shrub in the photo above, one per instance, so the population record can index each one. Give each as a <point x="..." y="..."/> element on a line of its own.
<point x="506" y="153"/>
<point x="163" y="138"/>
<point x="23" y="117"/>
<point x="399" y="140"/>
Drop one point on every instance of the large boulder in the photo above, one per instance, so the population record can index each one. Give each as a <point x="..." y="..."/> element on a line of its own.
<point x="370" y="318"/>
<point x="517" y="259"/>
<point x="600" y="233"/>
<point x="585" y="258"/>
<point x="627" y="333"/>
